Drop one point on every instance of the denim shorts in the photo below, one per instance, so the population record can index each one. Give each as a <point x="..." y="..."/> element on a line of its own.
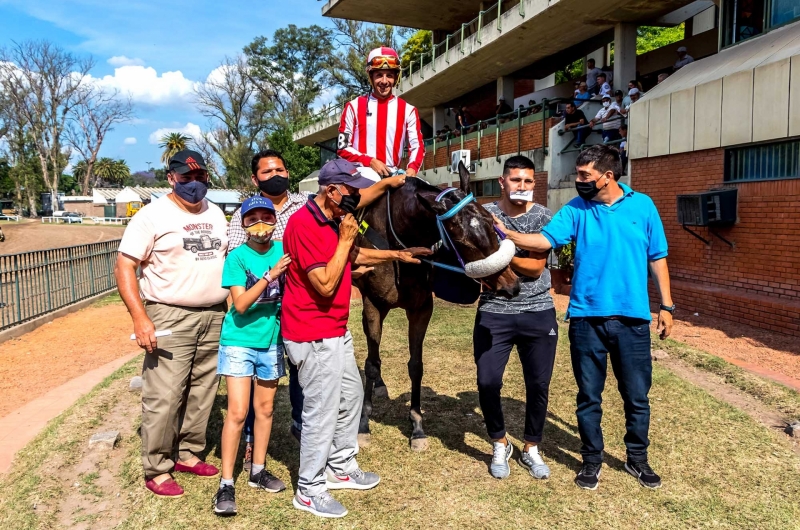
<point x="264" y="363"/>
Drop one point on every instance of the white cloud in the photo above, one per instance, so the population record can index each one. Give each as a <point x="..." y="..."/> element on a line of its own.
<point x="145" y="85"/>
<point x="121" y="60"/>
<point x="130" y="140"/>
<point x="190" y="129"/>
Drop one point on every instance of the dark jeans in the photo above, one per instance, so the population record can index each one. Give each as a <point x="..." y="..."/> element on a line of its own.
<point x="535" y="335"/>
<point x="295" y="397"/>
<point x="580" y="136"/>
<point x="609" y="135"/>
<point x="627" y="342"/>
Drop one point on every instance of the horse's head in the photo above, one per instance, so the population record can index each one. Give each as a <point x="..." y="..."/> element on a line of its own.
<point x="472" y="232"/>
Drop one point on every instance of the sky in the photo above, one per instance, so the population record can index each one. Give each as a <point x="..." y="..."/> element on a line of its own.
<point x="154" y="50"/>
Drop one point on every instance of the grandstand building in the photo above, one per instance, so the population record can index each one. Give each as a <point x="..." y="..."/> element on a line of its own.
<point x="716" y="144"/>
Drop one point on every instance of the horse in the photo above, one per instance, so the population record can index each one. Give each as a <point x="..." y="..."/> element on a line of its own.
<point x="407" y="217"/>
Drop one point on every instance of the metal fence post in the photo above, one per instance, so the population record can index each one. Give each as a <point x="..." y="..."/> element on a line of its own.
<point x="519" y="131"/>
<point x="447" y="49"/>
<point x="480" y="27"/>
<point x="16" y="289"/>
<point x="47" y="280"/>
<point x="544" y="125"/>
<point x="522" y="8"/>
<point x="464" y="25"/>
<point x="499" y="13"/>
<point x="480" y="135"/>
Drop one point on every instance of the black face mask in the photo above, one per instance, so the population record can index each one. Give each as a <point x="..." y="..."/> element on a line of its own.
<point x="349" y="203"/>
<point x="275" y="186"/>
<point x="588" y="190"/>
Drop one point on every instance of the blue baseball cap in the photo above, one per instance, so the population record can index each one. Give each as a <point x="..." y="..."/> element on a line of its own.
<point x="256" y="201"/>
<point x="340" y="171"/>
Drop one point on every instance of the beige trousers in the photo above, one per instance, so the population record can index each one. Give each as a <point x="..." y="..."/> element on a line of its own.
<point x="179" y="383"/>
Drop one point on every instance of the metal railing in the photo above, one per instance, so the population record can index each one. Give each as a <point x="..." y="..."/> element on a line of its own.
<point x="324" y="113"/>
<point x="489" y="16"/>
<point x="39" y="282"/>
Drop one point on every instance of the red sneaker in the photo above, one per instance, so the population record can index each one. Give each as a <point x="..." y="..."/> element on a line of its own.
<point x="169" y="488"/>
<point x="201" y="469"/>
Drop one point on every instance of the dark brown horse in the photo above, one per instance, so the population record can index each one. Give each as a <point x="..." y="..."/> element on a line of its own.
<point x="397" y="285"/>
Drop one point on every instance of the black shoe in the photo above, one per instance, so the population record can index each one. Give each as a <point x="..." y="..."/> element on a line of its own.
<point x="297" y="433"/>
<point x="225" y="501"/>
<point x="587" y="477"/>
<point x="642" y="471"/>
<point x="266" y="481"/>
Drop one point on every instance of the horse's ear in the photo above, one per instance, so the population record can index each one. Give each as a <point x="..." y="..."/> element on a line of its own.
<point x="463" y="174"/>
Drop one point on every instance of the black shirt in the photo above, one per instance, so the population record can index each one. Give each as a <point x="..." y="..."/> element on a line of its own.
<point x="575" y="117"/>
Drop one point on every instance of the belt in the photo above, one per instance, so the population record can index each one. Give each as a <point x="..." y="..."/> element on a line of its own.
<point x="222" y="306"/>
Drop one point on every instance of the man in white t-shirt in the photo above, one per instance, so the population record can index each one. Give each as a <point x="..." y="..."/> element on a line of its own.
<point x="179" y="241"/>
<point x="683" y="58"/>
<point x="609" y="116"/>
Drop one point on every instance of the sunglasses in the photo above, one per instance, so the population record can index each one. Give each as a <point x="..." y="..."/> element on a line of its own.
<point x="388" y="62"/>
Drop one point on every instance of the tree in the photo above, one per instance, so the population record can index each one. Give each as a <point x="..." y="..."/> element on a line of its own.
<point x="649" y="38"/>
<point x="111" y="171"/>
<point x="43" y="83"/>
<point x="230" y="100"/>
<point x="417" y="45"/>
<point x="171" y="143"/>
<point x="300" y="160"/>
<point x="291" y="74"/>
<point x="92" y="118"/>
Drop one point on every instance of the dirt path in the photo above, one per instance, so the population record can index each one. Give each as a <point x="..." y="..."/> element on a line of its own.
<point x="53" y="354"/>
<point x="34" y="235"/>
<point x="767" y="354"/>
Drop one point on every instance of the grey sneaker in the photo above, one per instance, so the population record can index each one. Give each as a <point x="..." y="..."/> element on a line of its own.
<point x="532" y="460"/>
<point x="501" y="456"/>
<point x="322" y="505"/>
<point x="225" y="501"/>
<point x="357" y="480"/>
<point x="266" y="481"/>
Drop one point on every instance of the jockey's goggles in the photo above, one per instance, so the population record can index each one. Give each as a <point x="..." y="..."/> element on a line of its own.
<point x="384" y="62"/>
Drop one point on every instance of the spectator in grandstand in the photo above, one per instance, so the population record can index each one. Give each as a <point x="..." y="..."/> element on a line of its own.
<point x="631" y="85"/>
<point x="592" y="71"/>
<point x="576" y="85"/>
<point x="605" y="88"/>
<point x="610" y="118"/>
<point x="523" y="111"/>
<point x="464" y="120"/>
<point x="683" y="59"/>
<point x="583" y="94"/>
<point x="618" y="98"/>
<point x="633" y="96"/>
<point x="662" y="77"/>
<point x="573" y="119"/>
<point x="502" y="108"/>
<point x="534" y="107"/>
<point x="623" y="148"/>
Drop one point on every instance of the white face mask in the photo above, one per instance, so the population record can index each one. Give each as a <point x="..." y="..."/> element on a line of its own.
<point x="522" y="195"/>
<point x="606" y="104"/>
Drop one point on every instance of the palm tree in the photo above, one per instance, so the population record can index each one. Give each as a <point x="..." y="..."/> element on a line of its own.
<point x="172" y="143"/>
<point x="111" y="171"/>
<point x="79" y="170"/>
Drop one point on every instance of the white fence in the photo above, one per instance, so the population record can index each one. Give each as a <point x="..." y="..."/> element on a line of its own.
<point x="95" y="220"/>
<point x="10" y="217"/>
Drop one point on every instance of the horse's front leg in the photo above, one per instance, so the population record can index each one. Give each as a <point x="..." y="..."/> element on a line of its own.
<point x="418" y="320"/>
<point x="372" y="321"/>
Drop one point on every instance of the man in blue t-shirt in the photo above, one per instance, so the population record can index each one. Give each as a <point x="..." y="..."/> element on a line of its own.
<point x="609" y="310"/>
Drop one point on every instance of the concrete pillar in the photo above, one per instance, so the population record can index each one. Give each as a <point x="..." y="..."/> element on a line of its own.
<point x="505" y="88"/>
<point x="438" y="118"/>
<point x="624" y="55"/>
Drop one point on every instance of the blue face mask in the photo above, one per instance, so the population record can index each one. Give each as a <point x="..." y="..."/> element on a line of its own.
<point x="192" y="192"/>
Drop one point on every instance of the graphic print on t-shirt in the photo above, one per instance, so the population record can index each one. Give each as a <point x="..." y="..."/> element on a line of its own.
<point x="200" y="241"/>
<point x="272" y="293"/>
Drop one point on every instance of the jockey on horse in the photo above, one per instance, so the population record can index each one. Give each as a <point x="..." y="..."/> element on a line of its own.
<point x="375" y="128"/>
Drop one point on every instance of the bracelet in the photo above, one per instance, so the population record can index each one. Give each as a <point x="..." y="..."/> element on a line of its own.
<point x="667" y="308"/>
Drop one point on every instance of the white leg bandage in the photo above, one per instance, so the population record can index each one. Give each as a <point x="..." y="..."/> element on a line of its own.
<point x="492" y="264"/>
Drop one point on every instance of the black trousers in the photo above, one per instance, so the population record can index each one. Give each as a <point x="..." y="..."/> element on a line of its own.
<point x="535" y="335"/>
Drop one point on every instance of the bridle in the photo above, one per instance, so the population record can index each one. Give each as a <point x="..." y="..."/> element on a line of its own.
<point x="444" y="236"/>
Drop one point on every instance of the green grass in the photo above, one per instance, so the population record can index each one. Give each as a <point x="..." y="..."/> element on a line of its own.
<point x="720" y="468"/>
<point x="111" y="299"/>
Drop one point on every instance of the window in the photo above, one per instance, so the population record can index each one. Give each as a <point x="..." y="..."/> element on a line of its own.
<point x="485" y="188"/>
<point x="744" y="19"/>
<point x="763" y="162"/>
<point x="326" y="155"/>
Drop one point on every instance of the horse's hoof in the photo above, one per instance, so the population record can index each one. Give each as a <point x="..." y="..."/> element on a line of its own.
<point x="419" y="444"/>
<point x="363" y="440"/>
<point x="381" y="392"/>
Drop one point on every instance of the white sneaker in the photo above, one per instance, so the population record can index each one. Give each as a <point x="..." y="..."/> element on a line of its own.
<point x="322" y="505"/>
<point x="500" y="457"/>
<point x="532" y="460"/>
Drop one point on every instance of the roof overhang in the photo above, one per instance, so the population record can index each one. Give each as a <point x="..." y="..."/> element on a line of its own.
<point x="423" y="14"/>
<point x="744" y="94"/>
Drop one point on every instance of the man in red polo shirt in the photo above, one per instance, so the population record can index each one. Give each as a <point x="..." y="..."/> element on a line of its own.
<point x="315" y="309"/>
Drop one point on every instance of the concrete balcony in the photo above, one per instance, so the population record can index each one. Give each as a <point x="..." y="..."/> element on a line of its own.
<point x="531" y="32"/>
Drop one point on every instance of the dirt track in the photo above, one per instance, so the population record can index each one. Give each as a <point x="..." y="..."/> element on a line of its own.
<point x="35" y="235"/>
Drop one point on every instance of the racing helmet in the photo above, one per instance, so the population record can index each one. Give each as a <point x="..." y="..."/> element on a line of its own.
<point x="383" y="58"/>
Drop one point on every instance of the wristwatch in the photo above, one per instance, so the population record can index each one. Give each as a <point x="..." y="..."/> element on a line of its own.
<point x="667" y="308"/>
<point x="267" y="277"/>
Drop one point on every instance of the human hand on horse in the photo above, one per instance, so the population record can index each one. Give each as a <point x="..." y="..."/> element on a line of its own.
<point x="396" y="181"/>
<point x="380" y="168"/>
<point x="348" y="228"/>
<point x="407" y="255"/>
